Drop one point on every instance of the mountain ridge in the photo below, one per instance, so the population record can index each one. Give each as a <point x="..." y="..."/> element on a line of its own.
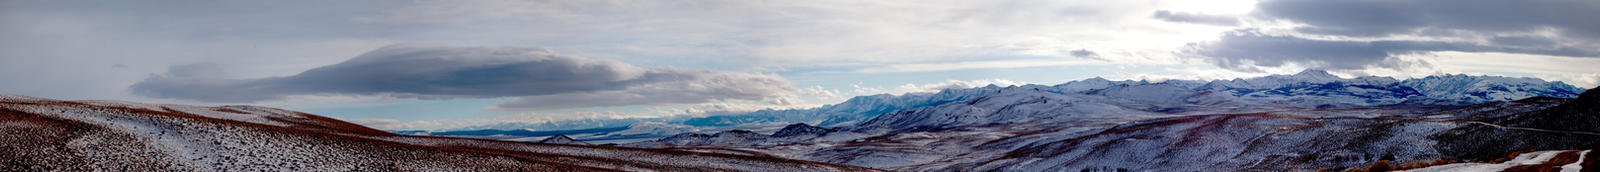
<point x="1023" y="127"/>
<point x="1357" y="91"/>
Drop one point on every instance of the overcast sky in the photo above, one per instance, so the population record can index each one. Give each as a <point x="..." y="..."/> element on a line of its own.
<point x="443" y="64"/>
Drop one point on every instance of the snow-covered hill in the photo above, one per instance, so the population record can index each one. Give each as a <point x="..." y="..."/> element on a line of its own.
<point x="51" y="135"/>
<point x="1309" y="120"/>
<point x="1565" y="134"/>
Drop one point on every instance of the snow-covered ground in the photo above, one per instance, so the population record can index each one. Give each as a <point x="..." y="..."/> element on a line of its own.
<point x="52" y="135"/>
<point x="1572" y="162"/>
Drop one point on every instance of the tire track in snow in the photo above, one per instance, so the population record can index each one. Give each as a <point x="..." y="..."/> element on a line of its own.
<point x="1535" y="129"/>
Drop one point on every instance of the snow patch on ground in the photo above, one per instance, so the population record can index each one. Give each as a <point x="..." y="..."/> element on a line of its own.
<point x="1523" y="159"/>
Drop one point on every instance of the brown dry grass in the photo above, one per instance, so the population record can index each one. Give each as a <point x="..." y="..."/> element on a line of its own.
<point x="43" y="143"/>
<point x="1552" y="165"/>
<point x="1425" y="164"/>
<point x="1507" y="157"/>
<point x="1385" y="165"/>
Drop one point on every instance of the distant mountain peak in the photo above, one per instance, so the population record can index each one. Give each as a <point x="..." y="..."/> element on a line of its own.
<point x="800" y="129"/>
<point x="735" y="133"/>
<point x="1315" y="75"/>
<point x="562" y="139"/>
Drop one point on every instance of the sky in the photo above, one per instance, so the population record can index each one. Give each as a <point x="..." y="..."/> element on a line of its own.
<point x="449" y="64"/>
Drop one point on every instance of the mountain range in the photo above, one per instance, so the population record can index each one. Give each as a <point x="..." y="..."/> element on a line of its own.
<point x="1306" y="121"/>
<point x="1311" y="120"/>
<point x="1307" y="89"/>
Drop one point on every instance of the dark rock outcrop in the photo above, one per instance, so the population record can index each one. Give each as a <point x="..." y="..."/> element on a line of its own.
<point x="562" y="139"/>
<point x="1573" y="125"/>
<point x="799" y="129"/>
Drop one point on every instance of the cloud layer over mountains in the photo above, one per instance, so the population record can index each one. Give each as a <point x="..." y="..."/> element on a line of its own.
<point x="540" y="78"/>
<point x="293" y="54"/>
<point x="1369" y="34"/>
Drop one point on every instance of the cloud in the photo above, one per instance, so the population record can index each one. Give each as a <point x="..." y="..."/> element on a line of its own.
<point x="818" y="91"/>
<point x="391" y="124"/>
<point x="933" y="87"/>
<point x="541" y="78"/>
<point x="956" y="84"/>
<point x="1351" y="35"/>
<point x="999" y="64"/>
<point x="1197" y="18"/>
<point x="1523" y="41"/>
<point x="198" y="70"/>
<point x="1084" y="53"/>
<point x="694" y="87"/>
<point x="43" y="40"/>
<point x="1377" y="18"/>
<point x="787" y="34"/>
<point x="1244" y="50"/>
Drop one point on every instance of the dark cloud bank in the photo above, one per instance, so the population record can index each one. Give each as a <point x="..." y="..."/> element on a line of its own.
<point x="1503" y="26"/>
<point x="539" y="78"/>
<point x="1245" y="49"/>
<point x="1377" y="17"/>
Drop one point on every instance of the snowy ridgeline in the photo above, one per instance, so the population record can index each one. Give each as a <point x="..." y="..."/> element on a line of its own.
<point x="1096" y="99"/>
<point x="1310" y="89"/>
<point x="1304" y="90"/>
<point x="1095" y="123"/>
<point x="1310" y="120"/>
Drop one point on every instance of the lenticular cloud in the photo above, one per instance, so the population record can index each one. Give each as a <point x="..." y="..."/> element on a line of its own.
<point x="434" y="72"/>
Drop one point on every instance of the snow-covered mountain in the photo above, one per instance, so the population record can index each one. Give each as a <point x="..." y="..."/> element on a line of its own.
<point x="1314" y="119"/>
<point x="52" y="135"/>
<point x="1309" y="120"/>
<point x="848" y="112"/>
<point x="1312" y="89"/>
<point x="654" y="128"/>
<point x="1307" y="89"/>
<point x="1466" y="89"/>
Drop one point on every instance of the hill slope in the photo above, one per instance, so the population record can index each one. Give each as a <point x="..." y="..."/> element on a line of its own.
<point x="50" y="135"/>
